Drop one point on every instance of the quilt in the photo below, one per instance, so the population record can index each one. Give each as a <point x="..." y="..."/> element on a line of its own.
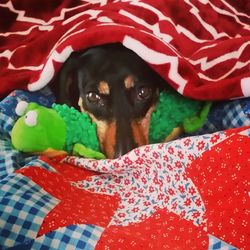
<point x="192" y="193"/>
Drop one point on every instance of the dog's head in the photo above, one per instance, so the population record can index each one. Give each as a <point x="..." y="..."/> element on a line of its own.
<point x="117" y="89"/>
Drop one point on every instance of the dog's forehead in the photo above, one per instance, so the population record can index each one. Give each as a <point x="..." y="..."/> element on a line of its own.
<point x="106" y="68"/>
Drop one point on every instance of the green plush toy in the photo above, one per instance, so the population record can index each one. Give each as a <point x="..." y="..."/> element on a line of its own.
<point x="61" y="129"/>
<point x="54" y="131"/>
<point x="175" y="114"/>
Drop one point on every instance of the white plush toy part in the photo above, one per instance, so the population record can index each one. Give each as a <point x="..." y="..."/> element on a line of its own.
<point x="31" y="118"/>
<point x="21" y="108"/>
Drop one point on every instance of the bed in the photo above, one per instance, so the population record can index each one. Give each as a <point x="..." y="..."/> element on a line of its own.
<point x="190" y="193"/>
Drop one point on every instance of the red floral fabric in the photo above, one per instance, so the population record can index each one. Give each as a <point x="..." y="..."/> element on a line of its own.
<point x="177" y="195"/>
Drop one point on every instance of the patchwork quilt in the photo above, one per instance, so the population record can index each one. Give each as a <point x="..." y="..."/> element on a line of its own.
<point x="192" y="193"/>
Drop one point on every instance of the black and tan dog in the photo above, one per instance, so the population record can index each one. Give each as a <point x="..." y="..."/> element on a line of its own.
<point x="117" y="89"/>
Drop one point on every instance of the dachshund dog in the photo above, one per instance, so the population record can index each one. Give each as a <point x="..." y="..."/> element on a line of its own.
<point x="117" y="89"/>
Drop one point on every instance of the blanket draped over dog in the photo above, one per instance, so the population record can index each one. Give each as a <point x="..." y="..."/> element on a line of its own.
<point x="191" y="193"/>
<point x="201" y="48"/>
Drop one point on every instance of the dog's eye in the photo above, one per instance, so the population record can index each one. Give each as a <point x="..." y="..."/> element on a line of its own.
<point x="144" y="93"/>
<point x="93" y="97"/>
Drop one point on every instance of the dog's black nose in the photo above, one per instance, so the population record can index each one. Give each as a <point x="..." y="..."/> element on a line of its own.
<point x="124" y="144"/>
<point x="129" y="135"/>
<point x="124" y="138"/>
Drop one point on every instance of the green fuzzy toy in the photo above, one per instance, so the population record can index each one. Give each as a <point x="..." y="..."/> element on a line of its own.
<point x="61" y="129"/>
<point x="176" y="111"/>
<point x="54" y="131"/>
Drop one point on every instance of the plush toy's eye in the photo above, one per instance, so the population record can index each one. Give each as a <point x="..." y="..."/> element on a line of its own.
<point x="21" y="107"/>
<point x="93" y="97"/>
<point x="31" y="118"/>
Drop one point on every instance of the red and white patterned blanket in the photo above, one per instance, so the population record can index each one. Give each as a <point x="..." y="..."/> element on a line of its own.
<point x="202" y="48"/>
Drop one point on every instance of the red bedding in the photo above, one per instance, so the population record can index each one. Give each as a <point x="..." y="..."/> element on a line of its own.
<point x="201" y="48"/>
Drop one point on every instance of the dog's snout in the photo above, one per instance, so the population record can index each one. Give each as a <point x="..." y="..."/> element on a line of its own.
<point x="124" y="140"/>
<point x="129" y="135"/>
<point x="121" y="137"/>
<point x="118" y="139"/>
<point x="124" y="137"/>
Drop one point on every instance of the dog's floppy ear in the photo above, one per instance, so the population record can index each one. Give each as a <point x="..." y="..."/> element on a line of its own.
<point x="65" y="84"/>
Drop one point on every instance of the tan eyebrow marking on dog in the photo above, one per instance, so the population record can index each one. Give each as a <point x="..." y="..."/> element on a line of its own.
<point x="129" y="82"/>
<point x="103" y="88"/>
